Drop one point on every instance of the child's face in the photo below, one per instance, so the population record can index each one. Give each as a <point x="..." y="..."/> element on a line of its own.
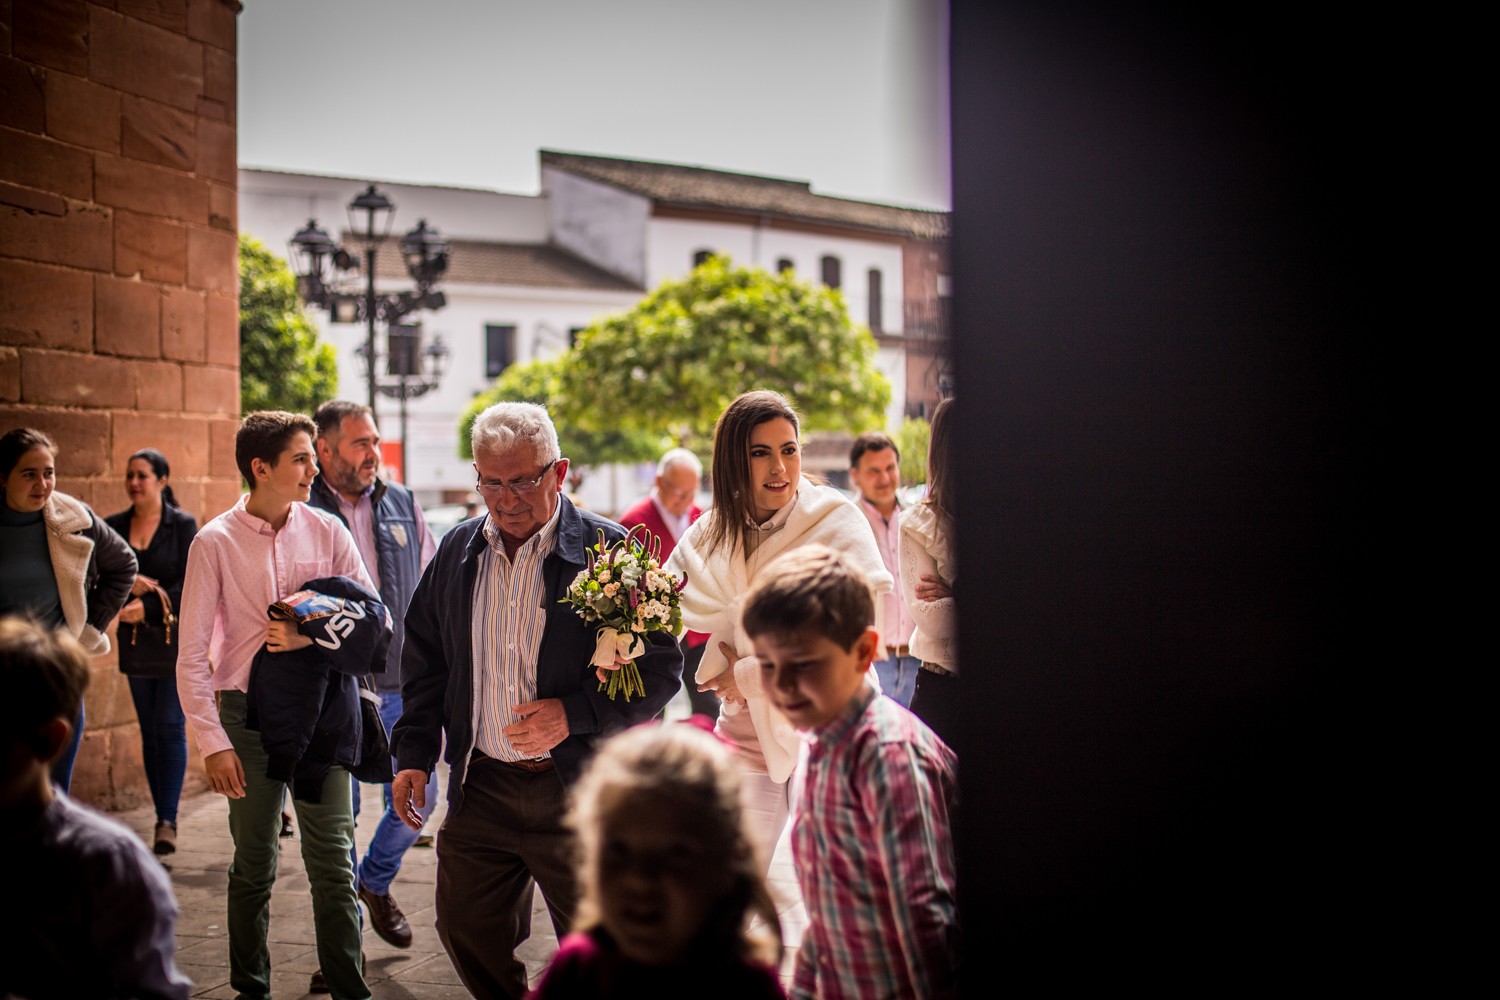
<point x="659" y="877"/>
<point x="809" y="677"/>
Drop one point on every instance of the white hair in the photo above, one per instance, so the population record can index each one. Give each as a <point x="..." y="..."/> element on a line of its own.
<point x="504" y="426"/>
<point x="679" y="456"/>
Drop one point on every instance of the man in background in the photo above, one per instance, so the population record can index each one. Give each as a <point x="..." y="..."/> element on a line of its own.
<point x="395" y="544"/>
<point x="875" y="471"/>
<point x="667" y="511"/>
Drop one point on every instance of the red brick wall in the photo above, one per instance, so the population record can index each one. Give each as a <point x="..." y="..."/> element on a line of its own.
<point x="927" y="333"/>
<point x="118" y="281"/>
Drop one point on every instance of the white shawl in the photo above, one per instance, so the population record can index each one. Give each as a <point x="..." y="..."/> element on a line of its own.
<point x="713" y="599"/>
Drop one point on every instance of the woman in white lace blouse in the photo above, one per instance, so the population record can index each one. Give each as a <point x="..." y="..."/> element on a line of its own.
<point x="927" y="575"/>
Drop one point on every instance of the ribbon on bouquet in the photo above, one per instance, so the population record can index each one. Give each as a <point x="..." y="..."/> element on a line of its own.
<point x="610" y="641"/>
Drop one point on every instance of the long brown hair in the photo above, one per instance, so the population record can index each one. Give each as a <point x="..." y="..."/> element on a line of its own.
<point x="729" y="520"/>
<point x="940" y="460"/>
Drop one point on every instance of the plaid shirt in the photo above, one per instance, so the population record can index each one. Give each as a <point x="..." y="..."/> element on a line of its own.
<point x="874" y="853"/>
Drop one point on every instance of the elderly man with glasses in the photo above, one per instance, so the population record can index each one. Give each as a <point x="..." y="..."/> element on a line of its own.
<point x="494" y="660"/>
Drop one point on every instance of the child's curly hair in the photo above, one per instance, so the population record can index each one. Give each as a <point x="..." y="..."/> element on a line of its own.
<point x="683" y="763"/>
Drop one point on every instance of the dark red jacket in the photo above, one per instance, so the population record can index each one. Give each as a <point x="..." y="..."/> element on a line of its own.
<point x="645" y="513"/>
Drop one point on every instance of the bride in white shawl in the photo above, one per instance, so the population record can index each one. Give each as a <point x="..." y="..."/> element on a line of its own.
<point x="762" y="508"/>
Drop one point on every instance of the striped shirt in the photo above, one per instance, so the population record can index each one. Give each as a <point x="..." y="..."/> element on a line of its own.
<point x="873" y="848"/>
<point x="508" y="620"/>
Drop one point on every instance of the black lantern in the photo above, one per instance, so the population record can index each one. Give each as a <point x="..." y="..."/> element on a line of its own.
<point x="426" y="254"/>
<point x="319" y="261"/>
<point x="378" y="211"/>
<point x="312" y="251"/>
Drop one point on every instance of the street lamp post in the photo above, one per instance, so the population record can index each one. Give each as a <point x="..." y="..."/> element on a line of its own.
<point x="320" y="264"/>
<point x="410" y="372"/>
<point x="373" y="204"/>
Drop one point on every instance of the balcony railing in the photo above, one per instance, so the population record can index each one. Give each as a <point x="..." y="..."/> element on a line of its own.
<point x="930" y="320"/>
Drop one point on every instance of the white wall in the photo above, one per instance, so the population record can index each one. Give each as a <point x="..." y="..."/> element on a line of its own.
<point x="274" y="206"/>
<point x="611" y="228"/>
<point x="541" y="316"/>
<point x="599" y="223"/>
<point x="673" y="242"/>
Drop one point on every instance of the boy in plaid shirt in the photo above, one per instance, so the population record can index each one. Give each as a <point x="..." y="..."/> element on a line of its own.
<point x="872" y="838"/>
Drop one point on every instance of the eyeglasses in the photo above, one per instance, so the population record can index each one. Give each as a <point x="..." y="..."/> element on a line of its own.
<point x="519" y="488"/>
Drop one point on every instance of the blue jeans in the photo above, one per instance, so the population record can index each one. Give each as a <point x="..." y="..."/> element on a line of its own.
<point x="898" y="678"/>
<point x="62" y="767"/>
<point x="392" y="837"/>
<point x="163" y="741"/>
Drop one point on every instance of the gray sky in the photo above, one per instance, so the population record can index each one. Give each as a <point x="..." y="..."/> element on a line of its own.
<point x="849" y="94"/>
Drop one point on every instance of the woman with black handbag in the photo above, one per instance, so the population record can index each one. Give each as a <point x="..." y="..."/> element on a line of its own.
<point x="159" y="533"/>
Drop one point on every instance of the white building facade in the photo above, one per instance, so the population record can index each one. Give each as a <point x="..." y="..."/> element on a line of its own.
<point x="527" y="272"/>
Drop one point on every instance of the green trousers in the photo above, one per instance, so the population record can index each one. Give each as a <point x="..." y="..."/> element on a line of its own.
<point x="326" y="830"/>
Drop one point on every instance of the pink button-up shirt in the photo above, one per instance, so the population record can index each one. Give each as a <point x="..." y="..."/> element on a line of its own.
<point x="895" y="617"/>
<point x="239" y="566"/>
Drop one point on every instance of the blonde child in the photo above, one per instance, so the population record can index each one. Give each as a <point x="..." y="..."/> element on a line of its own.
<point x="669" y="880"/>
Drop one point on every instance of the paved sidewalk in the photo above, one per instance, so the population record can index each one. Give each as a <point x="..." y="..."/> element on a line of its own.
<point x="199" y="872"/>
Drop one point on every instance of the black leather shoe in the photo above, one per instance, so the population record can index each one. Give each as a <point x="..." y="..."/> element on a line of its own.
<point x="386" y="917"/>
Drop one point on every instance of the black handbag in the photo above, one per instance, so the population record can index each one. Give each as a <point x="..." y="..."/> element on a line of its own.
<point x="374" y="765"/>
<point x="150" y="650"/>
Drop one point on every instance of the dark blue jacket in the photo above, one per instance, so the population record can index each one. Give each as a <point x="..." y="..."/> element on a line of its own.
<point x="398" y="551"/>
<point x="437" y="692"/>
<point x="305" y="703"/>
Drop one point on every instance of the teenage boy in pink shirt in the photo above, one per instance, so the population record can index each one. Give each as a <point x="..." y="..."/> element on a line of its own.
<point x="872" y="837"/>
<point x="267" y="546"/>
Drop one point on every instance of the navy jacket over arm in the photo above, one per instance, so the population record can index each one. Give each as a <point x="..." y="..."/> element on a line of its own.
<point x="437" y="666"/>
<point x="305" y="703"/>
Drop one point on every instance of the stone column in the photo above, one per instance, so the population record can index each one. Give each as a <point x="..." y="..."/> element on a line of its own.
<point x="119" y="317"/>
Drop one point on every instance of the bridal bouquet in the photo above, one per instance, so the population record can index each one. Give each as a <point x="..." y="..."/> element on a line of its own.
<point x="627" y="592"/>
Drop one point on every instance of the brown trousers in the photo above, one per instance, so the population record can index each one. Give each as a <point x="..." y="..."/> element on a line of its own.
<point x="507" y="837"/>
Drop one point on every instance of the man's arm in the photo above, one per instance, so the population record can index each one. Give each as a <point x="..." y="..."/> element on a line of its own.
<point x="347" y="561"/>
<point x="417" y="736"/>
<point x="902" y="791"/>
<point x="202" y="590"/>
<point x="589" y="710"/>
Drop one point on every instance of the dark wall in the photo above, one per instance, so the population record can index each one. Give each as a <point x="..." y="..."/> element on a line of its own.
<point x="1164" y="363"/>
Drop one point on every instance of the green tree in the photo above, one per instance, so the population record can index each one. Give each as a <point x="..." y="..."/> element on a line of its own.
<point x="536" y="382"/>
<point x="668" y="367"/>
<point x="911" y="441"/>
<point x="282" y="364"/>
